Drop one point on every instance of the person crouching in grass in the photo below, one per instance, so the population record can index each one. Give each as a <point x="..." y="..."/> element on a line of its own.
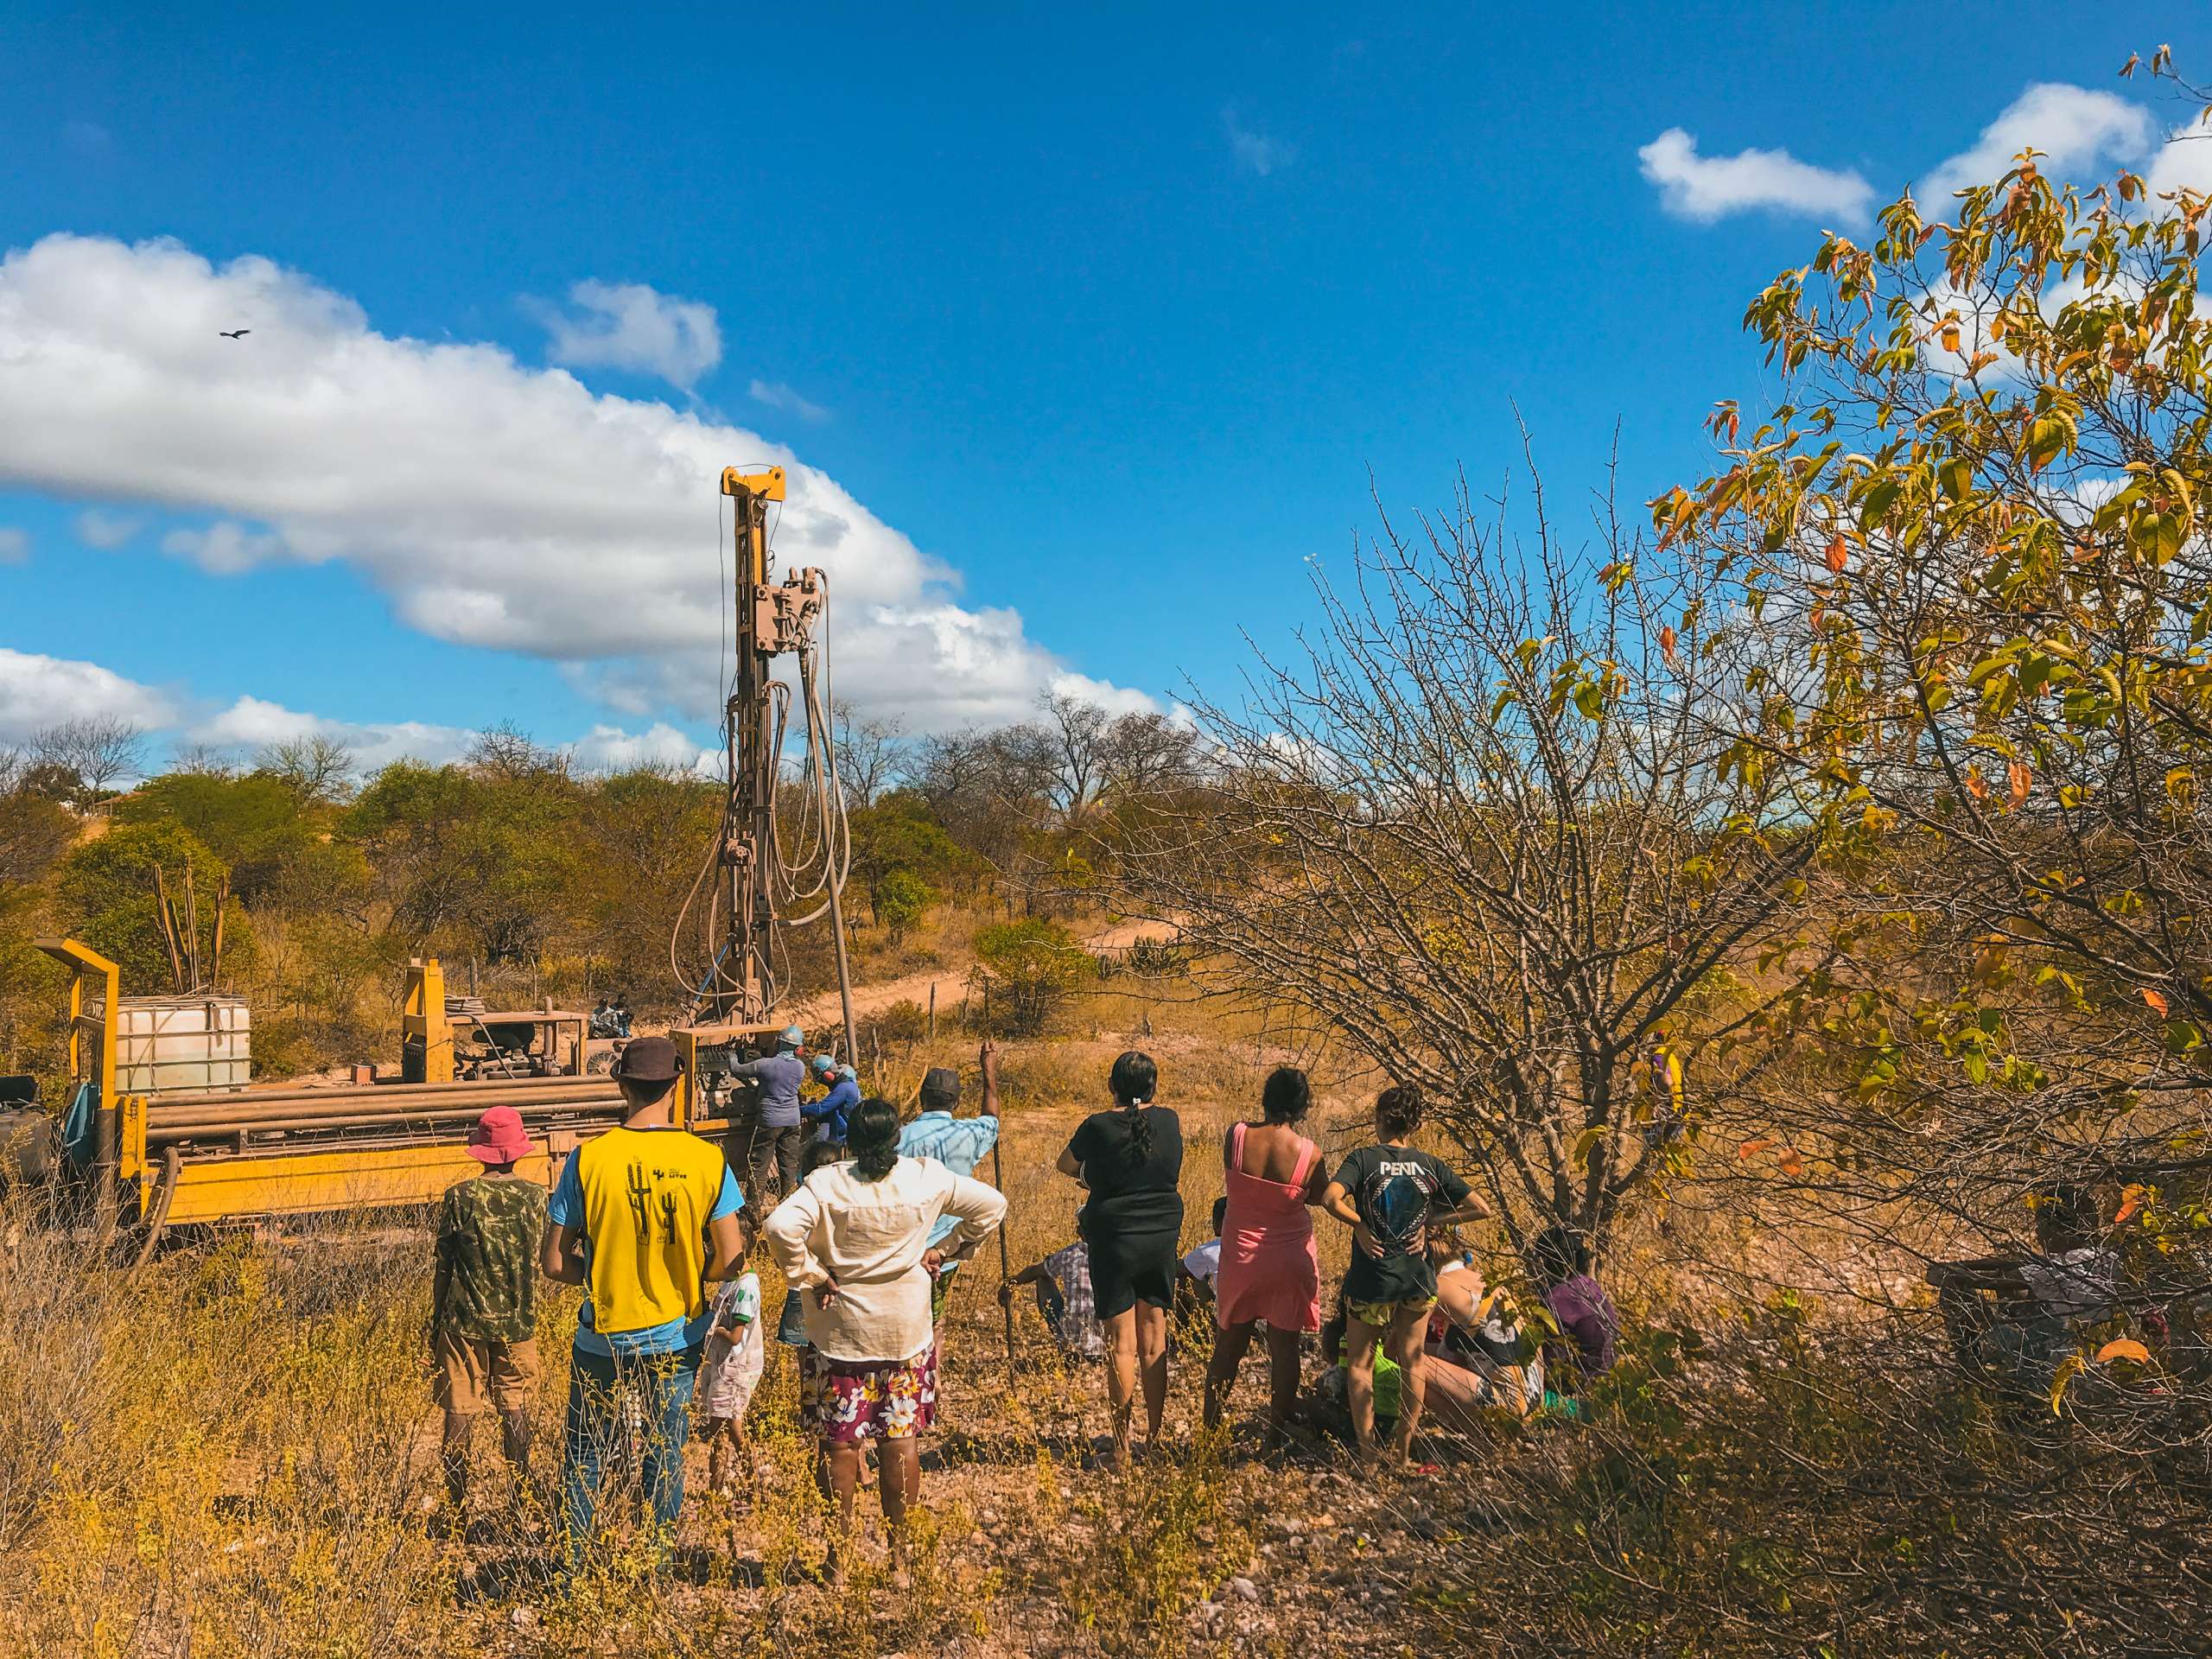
<point x="1391" y="1195"/>
<point x="484" y="1304"/>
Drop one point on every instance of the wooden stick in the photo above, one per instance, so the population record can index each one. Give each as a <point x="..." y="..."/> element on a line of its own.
<point x="1005" y="1263"/>
<point x="191" y="923"/>
<point x="167" y="916"/>
<point x="215" y="948"/>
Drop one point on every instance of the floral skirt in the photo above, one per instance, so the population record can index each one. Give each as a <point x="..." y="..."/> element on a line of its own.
<point x="847" y="1402"/>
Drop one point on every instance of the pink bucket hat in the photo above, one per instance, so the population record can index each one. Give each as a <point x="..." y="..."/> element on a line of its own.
<point x="498" y="1136"/>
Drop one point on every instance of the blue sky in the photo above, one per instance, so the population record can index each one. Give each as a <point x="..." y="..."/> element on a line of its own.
<point x="1092" y="323"/>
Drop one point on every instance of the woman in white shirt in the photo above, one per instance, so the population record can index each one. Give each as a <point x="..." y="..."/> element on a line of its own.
<point x="853" y="1239"/>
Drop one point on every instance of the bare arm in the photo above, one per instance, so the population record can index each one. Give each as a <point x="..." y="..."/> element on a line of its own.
<point x="561" y="1257"/>
<point x="725" y="1246"/>
<point x="988" y="1056"/>
<point x="1316" y="1183"/>
<point x="1995" y="1273"/>
<point x="1068" y="1165"/>
<point x="1337" y="1202"/>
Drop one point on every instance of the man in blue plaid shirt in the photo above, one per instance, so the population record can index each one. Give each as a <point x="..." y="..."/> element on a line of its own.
<point x="960" y="1144"/>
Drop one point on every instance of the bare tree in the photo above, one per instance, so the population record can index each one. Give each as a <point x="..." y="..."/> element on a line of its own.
<point x="35" y="830"/>
<point x="1482" y="832"/>
<point x="506" y="750"/>
<point x="1071" y="750"/>
<point x="101" y="749"/>
<point x="870" y="753"/>
<point x="316" y="768"/>
<point x="202" y="761"/>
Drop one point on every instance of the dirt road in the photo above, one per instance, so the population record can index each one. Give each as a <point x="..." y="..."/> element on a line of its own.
<point x="951" y="981"/>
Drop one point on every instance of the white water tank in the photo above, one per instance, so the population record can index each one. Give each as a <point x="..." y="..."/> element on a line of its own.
<point x="174" y="1045"/>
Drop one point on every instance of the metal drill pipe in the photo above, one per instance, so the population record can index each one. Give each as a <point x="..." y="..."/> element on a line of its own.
<point x="372" y="1111"/>
<point x="212" y="1128"/>
<point x="328" y="1100"/>
<point x="498" y="1088"/>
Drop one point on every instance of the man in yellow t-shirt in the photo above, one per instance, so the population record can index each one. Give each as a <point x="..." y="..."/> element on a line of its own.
<point x="643" y="1216"/>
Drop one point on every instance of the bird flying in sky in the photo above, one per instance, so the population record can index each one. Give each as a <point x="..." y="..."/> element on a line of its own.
<point x="234" y="334"/>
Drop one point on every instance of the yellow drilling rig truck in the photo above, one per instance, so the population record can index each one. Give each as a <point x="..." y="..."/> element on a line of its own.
<point x="159" y="1127"/>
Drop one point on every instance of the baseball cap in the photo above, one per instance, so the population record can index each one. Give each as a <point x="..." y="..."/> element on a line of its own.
<point x="941" y="1083"/>
<point x="647" y="1059"/>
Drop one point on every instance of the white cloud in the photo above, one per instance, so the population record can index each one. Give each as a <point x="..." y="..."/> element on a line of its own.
<point x="107" y="531"/>
<point x="1708" y="187"/>
<point x="1254" y="148"/>
<point x="252" y="723"/>
<point x="497" y="505"/>
<point x="2183" y="161"/>
<point x="609" y="748"/>
<point x="224" y="549"/>
<point x="14" y="544"/>
<point x="776" y="395"/>
<point x="630" y="326"/>
<point x="2078" y="130"/>
<point x="38" y="691"/>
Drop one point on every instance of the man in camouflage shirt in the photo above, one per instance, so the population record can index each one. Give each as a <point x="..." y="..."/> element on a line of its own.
<point x="484" y="1301"/>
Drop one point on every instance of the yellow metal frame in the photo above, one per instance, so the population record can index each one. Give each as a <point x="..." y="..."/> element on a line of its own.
<point x="683" y="1110"/>
<point x="306" y="1183"/>
<point x="768" y="486"/>
<point x="422" y="1017"/>
<point x="84" y="963"/>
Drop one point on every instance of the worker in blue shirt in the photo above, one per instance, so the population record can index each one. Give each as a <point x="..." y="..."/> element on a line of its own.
<point x="769" y="1134"/>
<point x="829" y="1113"/>
<point x="960" y="1144"/>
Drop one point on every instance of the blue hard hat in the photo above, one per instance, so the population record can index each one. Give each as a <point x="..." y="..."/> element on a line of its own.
<point x="823" y="1065"/>
<point x="848" y="1072"/>
<point x="792" y="1037"/>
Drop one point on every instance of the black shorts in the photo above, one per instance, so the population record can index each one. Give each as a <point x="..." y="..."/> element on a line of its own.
<point x="1129" y="1267"/>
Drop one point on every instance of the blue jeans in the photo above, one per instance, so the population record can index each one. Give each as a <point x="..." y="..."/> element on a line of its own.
<point x="663" y="1384"/>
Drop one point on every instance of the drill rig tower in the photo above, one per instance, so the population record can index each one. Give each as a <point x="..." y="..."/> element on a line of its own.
<point x="766" y="875"/>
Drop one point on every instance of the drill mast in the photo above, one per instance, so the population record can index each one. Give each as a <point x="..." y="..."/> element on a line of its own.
<point x="743" y="983"/>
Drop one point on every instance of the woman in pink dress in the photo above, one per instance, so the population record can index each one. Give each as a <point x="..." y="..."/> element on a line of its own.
<point x="1270" y="1271"/>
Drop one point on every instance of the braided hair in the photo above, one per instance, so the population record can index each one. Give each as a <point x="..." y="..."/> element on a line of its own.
<point x="872" y="1136"/>
<point x="1134" y="1079"/>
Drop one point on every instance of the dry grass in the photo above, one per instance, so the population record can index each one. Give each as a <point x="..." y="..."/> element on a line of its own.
<point x="233" y="1453"/>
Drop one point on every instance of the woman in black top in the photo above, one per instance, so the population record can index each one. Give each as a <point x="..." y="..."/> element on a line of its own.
<point x="1131" y="1158"/>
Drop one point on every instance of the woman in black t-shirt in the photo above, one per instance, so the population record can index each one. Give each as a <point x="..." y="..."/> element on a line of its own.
<point x="1393" y="1196"/>
<point x="1131" y="1158"/>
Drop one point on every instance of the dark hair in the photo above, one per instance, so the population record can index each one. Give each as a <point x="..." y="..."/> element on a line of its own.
<point x="1557" y="1254"/>
<point x="641" y="1092"/>
<point x="1398" y="1110"/>
<point x="1220" y="1211"/>
<point x="818" y="1153"/>
<point x="872" y="1135"/>
<point x="1286" y="1097"/>
<point x="1134" y="1079"/>
<point x="2065" y="1216"/>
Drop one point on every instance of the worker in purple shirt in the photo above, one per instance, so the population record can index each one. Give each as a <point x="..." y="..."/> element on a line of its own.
<point x="830" y="1114"/>
<point x="772" y="1133"/>
<point x="960" y="1144"/>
